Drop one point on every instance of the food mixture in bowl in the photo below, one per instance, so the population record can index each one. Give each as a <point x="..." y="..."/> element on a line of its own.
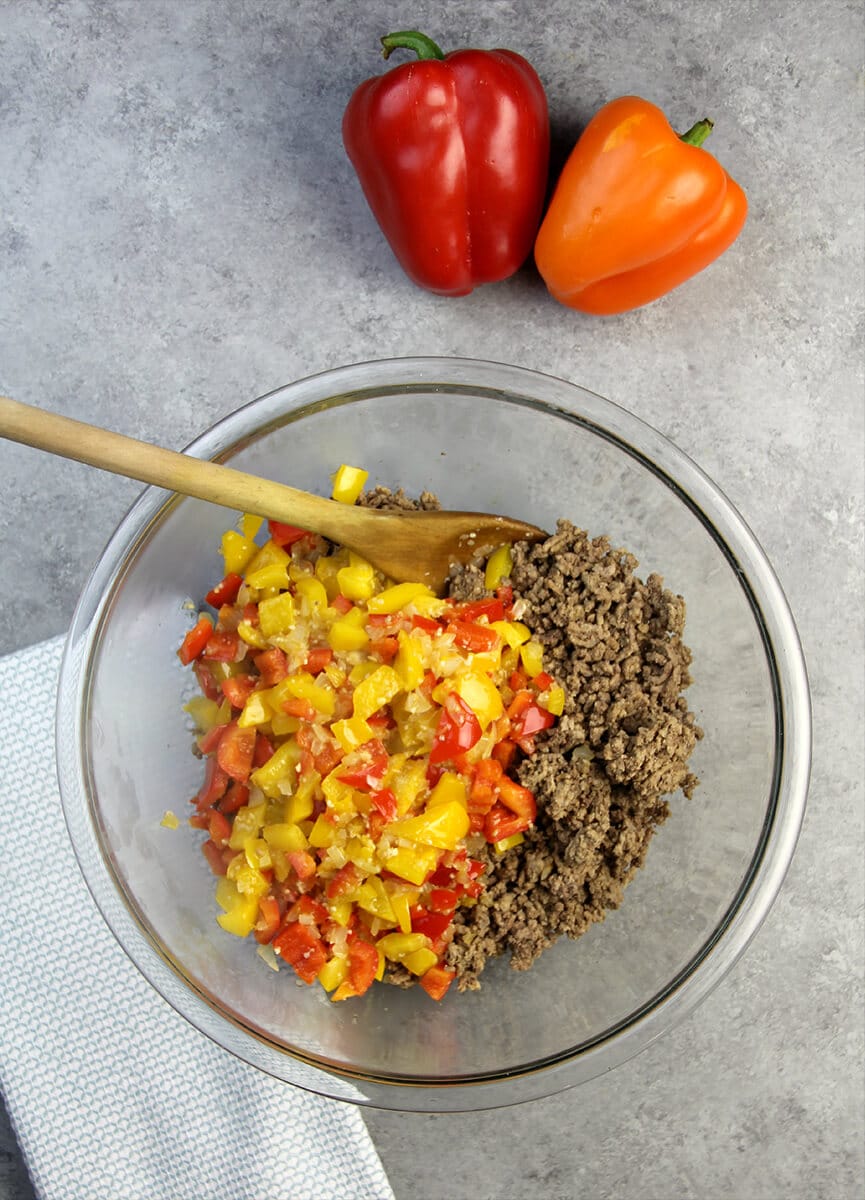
<point x="401" y="787"/>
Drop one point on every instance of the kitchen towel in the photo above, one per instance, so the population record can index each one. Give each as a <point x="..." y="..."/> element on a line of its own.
<point x="111" y="1092"/>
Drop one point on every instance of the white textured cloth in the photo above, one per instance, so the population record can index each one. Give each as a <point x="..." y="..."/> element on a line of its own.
<point x="112" y="1093"/>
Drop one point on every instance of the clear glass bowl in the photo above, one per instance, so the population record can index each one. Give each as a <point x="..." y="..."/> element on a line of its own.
<point x="484" y="437"/>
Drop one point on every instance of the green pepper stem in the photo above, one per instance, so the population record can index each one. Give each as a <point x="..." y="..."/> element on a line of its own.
<point x="410" y="39"/>
<point x="698" y="133"/>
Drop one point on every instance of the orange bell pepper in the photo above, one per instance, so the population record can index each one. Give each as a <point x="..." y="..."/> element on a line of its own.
<point x="637" y="211"/>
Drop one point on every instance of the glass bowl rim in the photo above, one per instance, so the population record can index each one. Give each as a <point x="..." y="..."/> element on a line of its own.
<point x="768" y="605"/>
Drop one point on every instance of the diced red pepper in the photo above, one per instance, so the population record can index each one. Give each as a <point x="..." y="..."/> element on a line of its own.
<point x="223" y="645"/>
<point x="235" y="798"/>
<point x="237" y="689"/>
<point x="501" y="823"/>
<point x="272" y="666"/>
<point x="214" y="857"/>
<point x="386" y="648"/>
<point x="318" y="659"/>
<point x="303" y="863"/>
<point x="517" y="798"/>
<point x="195" y="640"/>
<point x="430" y="924"/>
<point x="236" y="751"/>
<point x="226" y="591"/>
<point x="213" y="788"/>
<point x="385" y="803"/>
<point x="504" y="752"/>
<point x="208" y="742"/>
<point x="345" y="880"/>
<point x="443" y="900"/>
<point x="268" y="919"/>
<point x="532" y="719"/>
<point x="263" y="750"/>
<point x="206" y="680"/>
<point x="219" y="828"/>
<point x="342" y="604"/>
<point x="365" y="767"/>
<point x="301" y="947"/>
<point x="505" y="593"/>
<point x="458" y="729"/>
<point x="362" y="967"/>
<point x="476" y="638"/>
<point x="381" y="624"/>
<point x="542" y="681"/>
<point x="472" y="610"/>
<point x="436" y="980"/>
<point x="305" y="906"/>
<point x="427" y="624"/>
<point x="295" y="706"/>
<point x="285" y="535"/>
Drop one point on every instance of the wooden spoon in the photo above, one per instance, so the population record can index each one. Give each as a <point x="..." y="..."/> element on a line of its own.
<point x="404" y="545"/>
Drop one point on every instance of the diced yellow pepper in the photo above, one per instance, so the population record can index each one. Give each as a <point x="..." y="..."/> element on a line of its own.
<point x="333" y="972"/>
<point x="284" y="836"/>
<point x="356" y="582"/>
<point x="249" y="880"/>
<point x="252" y="635"/>
<point x="276" y="615"/>
<point x="227" y="895"/>
<point x="443" y="826"/>
<point x="532" y="655"/>
<point x="360" y="671"/>
<point x="372" y="897"/>
<point x="361" y="851"/>
<point x="344" y="635"/>
<point x="396" y="946"/>
<point x="481" y="695"/>
<point x="241" y="919"/>
<point x="499" y="566"/>
<point x="302" y="686"/>
<point x="169" y="820"/>
<point x="299" y="806"/>
<point x="348" y="484"/>
<point x="341" y="910"/>
<point x="377" y="689"/>
<point x="351" y="732"/>
<point x="420" y="961"/>
<point x="394" y="598"/>
<point x="339" y="795"/>
<point x="408" y="784"/>
<point x="204" y="712"/>
<point x="412" y="863"/>
<point x="274" y="575"/>
<point x="336" y="676"/>
<point x="237" y="552"/>
<point x="429" y="606"/>
<point x="269" y="555"/>
<point x="409" y="664"/>
<point x="512" y="632"/>
<point x="312" y="595"/>
<point x="281" y="724"/>
<point x="257" y="853"/>
<point x="325" y="570"/>
<point x="508" y="843"/>
<point x="278" y="768"/>
<point x="556" y="700"/>
<point x="247" y="823"/>
<point x="250" y="525"/>
<point x="450" y="788"/>
<point x="256" y="711"/>
<point x="379" y="975"/>
<point x="322" y="834"/>
<point x="401" y="902"/>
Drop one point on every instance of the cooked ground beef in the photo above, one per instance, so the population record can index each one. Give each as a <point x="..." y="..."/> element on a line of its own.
<point x="600" y="775"/>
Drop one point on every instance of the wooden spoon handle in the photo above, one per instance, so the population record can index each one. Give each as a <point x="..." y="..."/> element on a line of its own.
<point x="166" y="468"/>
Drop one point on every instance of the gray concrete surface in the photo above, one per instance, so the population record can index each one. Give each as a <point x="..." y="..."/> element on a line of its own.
<point x="180" y="231"/>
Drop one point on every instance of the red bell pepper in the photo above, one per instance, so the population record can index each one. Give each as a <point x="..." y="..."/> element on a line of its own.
<point x="452" y="154"/>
